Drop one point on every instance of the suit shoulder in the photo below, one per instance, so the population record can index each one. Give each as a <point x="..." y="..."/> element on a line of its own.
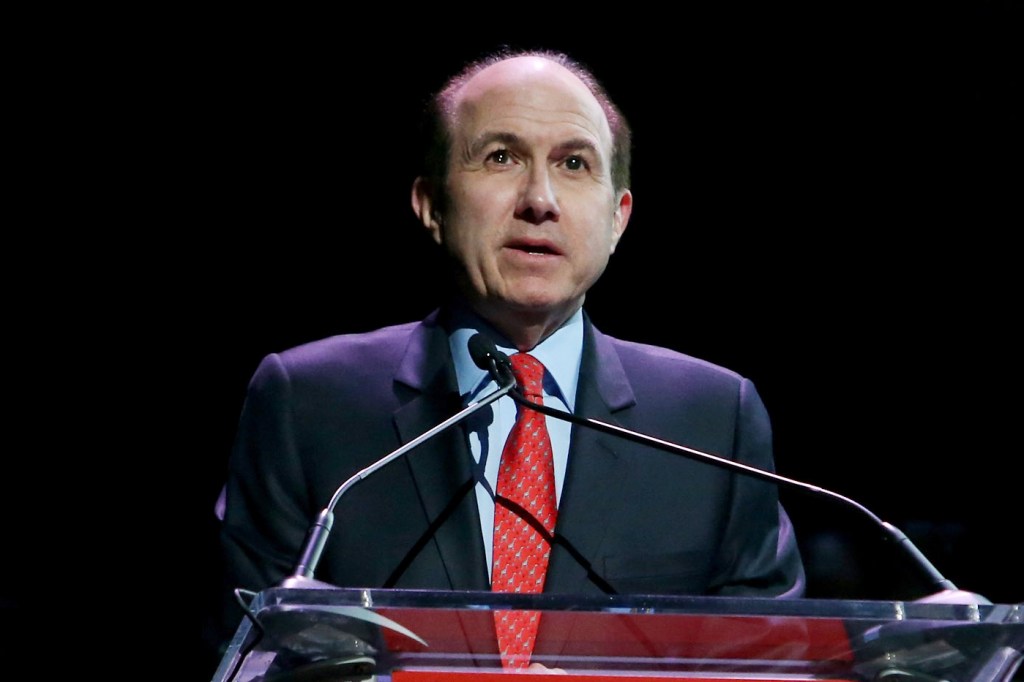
<point x="372" y="349"/>
<point x="661" y="360"/>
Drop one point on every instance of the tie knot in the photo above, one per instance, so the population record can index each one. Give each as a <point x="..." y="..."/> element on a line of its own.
<point x="529" y="373"/>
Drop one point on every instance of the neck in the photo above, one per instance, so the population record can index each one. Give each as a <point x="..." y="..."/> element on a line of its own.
<point x="524" y="330"/>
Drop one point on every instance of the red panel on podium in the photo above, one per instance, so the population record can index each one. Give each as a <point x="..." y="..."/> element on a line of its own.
<point x="617" y="643"/>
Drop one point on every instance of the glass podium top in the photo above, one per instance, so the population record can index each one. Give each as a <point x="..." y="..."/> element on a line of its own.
<point x="314" y="632"/>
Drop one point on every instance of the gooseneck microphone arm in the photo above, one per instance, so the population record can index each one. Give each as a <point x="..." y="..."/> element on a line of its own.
<point x="487" y="356"/>
<point x="316" y="536"/>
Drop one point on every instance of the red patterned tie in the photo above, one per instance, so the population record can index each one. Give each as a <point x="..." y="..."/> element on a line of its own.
<point x="526" y="477"/>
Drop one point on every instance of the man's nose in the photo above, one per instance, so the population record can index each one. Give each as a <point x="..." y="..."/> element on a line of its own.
<point x="537" y="199"/>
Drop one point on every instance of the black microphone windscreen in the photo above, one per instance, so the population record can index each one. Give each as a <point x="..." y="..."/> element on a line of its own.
<point x="482" y="349"/>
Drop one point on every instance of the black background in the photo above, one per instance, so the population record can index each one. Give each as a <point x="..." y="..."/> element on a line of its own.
<point x="825" y="202"/>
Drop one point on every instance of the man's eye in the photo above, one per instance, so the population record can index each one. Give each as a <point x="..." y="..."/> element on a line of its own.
<point x="575" y="163"/>
<point x="499" y="156"/>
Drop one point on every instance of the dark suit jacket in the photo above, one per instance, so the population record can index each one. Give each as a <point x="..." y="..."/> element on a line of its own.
<point x="632" y="518"/>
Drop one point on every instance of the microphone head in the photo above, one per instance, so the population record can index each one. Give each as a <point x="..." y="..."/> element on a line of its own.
<point x="482" y="350"/>
<point x="487" y="357"/>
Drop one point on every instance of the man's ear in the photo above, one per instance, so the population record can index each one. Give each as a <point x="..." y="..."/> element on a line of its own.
<point x="623" y="209"/>
<point x="425" y="208"/>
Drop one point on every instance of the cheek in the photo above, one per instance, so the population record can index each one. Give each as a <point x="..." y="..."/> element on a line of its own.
<point x="466" y="235"/>
<point x="597" y="234"/>
<point x="477" y="214"/>
<point x="599" y="251"/>
<point x="471" y="218"/>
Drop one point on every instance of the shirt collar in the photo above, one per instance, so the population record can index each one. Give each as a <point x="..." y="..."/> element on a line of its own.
<point x="560" y="354"/>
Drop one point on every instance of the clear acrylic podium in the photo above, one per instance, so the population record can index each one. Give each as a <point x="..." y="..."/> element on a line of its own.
<point x="317" y="635"/>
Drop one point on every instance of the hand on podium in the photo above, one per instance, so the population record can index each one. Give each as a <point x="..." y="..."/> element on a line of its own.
<point x="954" y="597"/>
<point x="541" y="668"/>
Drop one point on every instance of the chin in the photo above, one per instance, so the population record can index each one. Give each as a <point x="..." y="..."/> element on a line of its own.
<point x="541" y="306"/>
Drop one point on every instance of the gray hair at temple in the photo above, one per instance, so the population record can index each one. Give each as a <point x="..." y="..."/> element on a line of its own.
<point x="437" y="133"/>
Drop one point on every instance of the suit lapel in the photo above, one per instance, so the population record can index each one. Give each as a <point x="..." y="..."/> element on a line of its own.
<point x="597" y="470"/>
<point x="442" y="465"/>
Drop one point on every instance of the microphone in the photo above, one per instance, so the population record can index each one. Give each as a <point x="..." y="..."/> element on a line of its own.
<point x="487" y="356"/>
<point x="316" y="536"/>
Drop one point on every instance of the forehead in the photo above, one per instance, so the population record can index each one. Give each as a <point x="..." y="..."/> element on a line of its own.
<point x="529" y="93"/>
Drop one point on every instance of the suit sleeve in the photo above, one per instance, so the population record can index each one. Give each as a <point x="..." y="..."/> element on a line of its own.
<point x="759" y="555"/>
<point x="266" y="513"/>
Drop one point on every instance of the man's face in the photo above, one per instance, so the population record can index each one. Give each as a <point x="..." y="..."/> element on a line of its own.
<point x="532" y="217"/>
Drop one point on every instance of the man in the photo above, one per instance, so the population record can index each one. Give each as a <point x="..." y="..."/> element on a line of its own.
<point x="527" y="193"/>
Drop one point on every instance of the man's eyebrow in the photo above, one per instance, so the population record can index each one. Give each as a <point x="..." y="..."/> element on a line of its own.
<point x="506" y="138"/>
<point x="577" y="144"/>
<point x="512" y="140"/>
